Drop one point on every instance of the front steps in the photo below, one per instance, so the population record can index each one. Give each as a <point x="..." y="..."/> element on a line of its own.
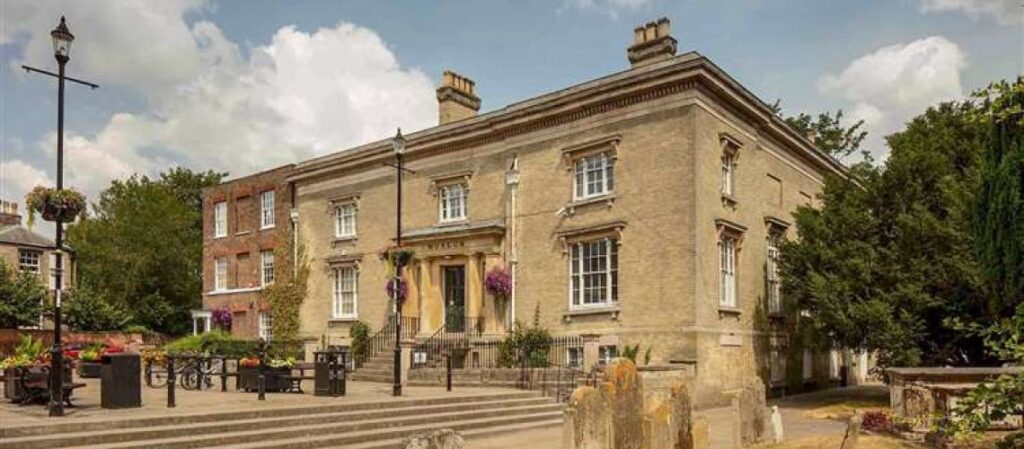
<point x="379" y="368"/>
<point x="366" y="425"/>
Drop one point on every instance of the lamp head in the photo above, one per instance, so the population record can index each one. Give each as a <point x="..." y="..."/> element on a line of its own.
<point x="62" y="38"/>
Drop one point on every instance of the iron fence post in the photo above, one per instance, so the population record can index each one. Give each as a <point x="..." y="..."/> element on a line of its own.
<point x="170" y="382"/>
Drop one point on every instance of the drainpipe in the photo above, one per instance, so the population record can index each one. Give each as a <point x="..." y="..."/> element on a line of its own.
<point x="512" y="180"/>
<point x="294" y="214"/>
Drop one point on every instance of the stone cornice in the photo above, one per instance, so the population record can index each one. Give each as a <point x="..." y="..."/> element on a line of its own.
<point x="689" y="71"/>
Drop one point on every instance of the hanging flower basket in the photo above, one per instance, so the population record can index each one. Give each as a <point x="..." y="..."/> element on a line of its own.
<point x="403" y="288"/>
<point x="222" y="317"/>
<point x="498" y="283"/>
<point x="54" y="205"/>
<point x="395" y="256"/>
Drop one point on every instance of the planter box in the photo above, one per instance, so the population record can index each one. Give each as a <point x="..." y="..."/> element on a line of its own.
<point x="89" y="370"/>
<point x="275" y="380"/>
<point x="12" y="388"/>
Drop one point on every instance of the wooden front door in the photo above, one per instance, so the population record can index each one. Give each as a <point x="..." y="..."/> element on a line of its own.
<point x="455" y="298"/>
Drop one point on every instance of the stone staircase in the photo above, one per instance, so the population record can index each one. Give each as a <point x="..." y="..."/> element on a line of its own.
<point x="366" y="425"/>
<point x="377" y="368"/>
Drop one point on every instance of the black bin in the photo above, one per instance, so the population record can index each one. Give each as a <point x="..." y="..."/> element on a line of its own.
<point x="329" y="373"/>
<point x="121" y="381"/>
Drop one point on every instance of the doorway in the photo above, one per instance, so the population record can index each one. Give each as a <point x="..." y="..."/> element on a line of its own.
<point x="455" y="298"/>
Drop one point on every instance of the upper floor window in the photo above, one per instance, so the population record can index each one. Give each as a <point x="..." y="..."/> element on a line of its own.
<point x="220" y="274"/>
<point x="730" y="147"/>
<point x="595" y="176"/>
<point x="266" y="268"/>
<point x="727" y="271"/>
<point x="454" y="202"/>
<point x="772" y="274"/>
<point x="594" y="273"/>
<point x="346" y="282"/>
<point x="28" y="260"/>
<point x="220" y="219"/>
<point x="345" y="220"/>
<point x="728" y="171"/>
<point x="266" y="330"/>
<point x="267" y="216"/>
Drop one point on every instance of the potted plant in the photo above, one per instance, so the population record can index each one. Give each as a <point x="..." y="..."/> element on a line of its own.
<point x="29" y="352"/>
<point x="395" y="256"/>
<point x="498" y="283"/>
<point x="221" y="318"/>
<point x="403" y="288"/>
<point x="61" y="205"/>
<point x="276" y="374"/>
<point x="90" y="361"/>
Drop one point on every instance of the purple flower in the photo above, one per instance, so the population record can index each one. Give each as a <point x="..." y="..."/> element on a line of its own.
<point x="403" y="288"/>
<point x="221" y="317"/>
<point x="498" y="282"/>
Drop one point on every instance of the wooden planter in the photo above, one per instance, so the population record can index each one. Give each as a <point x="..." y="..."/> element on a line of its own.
<point x="89" y="370"/>
<point x="12" y="388"/>
<point x="276" y="379"/>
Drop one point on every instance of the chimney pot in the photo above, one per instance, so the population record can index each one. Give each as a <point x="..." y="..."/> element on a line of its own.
<point x="456" y="98"/>
<point x="9" y="213"/>
<point x="652" y="42"/>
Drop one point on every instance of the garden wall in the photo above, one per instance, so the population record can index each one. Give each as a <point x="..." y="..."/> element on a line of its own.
<point x="9" y="338"/>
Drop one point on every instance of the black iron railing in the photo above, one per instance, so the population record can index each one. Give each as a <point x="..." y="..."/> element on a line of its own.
<point x="384" y="340"/>
<point x="453" y="339"/>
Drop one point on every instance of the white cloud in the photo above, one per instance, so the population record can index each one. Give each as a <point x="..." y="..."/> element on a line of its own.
<point x="17" y="178"/>
<point x="610" y="7"/>
<point x="892" y="84"/>
<point x="211" y="107"/>
<point x="1006" y="12"/>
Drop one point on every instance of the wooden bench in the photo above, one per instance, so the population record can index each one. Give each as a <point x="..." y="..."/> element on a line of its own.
<point x="297" y="380"/>
<point x="35" y="385"/>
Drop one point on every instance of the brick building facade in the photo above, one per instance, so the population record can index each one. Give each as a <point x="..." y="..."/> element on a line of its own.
<point x="243" y="221"/>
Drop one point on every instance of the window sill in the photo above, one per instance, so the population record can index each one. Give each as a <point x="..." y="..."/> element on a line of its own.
<point x="729" y="200"/>
<point x="342" y="240"/>
<point x="606" y="199"/>
<point x="242" y="233"/>
<point x="455" y="222"/>
<point x="233" y="290"/>
<point x="734" y="311"/>
<point x="264" y="228"/>
<point x="612" y="310"/>
<point x="343" y="320"/>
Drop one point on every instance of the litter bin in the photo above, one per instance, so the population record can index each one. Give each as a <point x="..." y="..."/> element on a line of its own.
<point x="328" y="373"/>
<point x="121" y="381"/>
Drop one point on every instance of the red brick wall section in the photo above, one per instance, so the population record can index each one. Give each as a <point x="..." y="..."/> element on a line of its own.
<point x="244" y="241"/>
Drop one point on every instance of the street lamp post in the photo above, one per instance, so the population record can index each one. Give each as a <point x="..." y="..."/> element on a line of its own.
<point x="398" y="147"/>
<point x="62" y="38"/>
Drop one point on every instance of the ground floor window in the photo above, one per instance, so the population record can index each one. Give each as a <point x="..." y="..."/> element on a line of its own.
<point x="574" y="357"/>
<point x="346" y="281"/>
<point x="266" y="326"/>
<point x="778" y="366"/>
<point x="594" y="273"/>
<point x="605" y="354"/>
<point x="28" y="261"/>
<point x="808" y="364"/>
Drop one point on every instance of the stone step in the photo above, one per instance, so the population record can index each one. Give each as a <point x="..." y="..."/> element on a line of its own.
<point x="469" y="435"/>
<point x="393" y="435"/>
<point x="334" y="434"/>
<point x="171" y="431"/>
<point x="378" y="378"/>
<point x="253" y="413"/>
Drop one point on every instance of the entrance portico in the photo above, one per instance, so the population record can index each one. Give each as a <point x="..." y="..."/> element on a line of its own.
<point x="446" y="277"/>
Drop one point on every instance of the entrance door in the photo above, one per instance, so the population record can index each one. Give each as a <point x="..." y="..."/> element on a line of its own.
<point x="455" y="298"/>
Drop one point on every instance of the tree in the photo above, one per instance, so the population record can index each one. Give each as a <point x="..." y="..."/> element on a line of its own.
<point x="86" y="310"/>
<point x="22" y="298"/>
<point x="830" y="135"/>
<point x="288" y="291"/>
<point x="889" y="256"/>
<point x="141" y="247"/>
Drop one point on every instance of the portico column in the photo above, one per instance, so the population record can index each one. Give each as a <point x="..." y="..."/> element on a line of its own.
<point x="475" y="285"/>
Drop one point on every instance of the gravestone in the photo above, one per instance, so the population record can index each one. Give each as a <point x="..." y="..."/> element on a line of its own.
<point x="437" y="439"/>
<point x="752" y="413"/>
<point x="852" y="431"/>
<point x="699" y="429"/>
<point x="774" y="432"/>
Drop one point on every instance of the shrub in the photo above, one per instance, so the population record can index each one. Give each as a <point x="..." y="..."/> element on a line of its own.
<point x="359" y="332"/>
<point x="85" y="309"/>
<point x="876" y="421"/>
<point x="525" y="346"/>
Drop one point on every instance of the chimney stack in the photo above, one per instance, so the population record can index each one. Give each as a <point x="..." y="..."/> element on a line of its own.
<point x="652" y="42"/>
<point x="456" y="98"/>
<point x="9" y="213"/>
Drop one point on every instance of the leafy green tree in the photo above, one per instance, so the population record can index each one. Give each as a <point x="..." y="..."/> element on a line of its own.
<point x="141" y="247"/>
<point x="830" y="134"/>
<point x="87" y="310"/>
<point x="889" y="255"/>
<point x="22" y="298"/>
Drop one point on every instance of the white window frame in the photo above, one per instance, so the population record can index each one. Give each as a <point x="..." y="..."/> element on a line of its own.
<point x="581" y="254"/>
<point x="344" y="289"/>
<point x="772" y="279"/>
<point x="606" y="354"/>
<point x="267" y="217"/>
<point x="266" y="326"/>
<point x="267" y="273"/>
<point x="453" y="202"/>
<point x="29" y="260"/>
<point x="727" y="252"/>
<point x="220" y="219"/>
<point x="728" y="173"/>
<point x="574" y="357"/>
<point x="220" y="274"/>
<point x="346" y="215"/>
<point x="593" y="176"/>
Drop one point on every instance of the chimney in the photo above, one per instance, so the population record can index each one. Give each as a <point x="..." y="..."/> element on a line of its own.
<point x="652" y="42"/>
<point x="456" y="98"/>
<point x="9" y="213"/>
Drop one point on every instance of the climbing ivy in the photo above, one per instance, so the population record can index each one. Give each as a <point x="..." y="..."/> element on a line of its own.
<point x="286" y="294"/>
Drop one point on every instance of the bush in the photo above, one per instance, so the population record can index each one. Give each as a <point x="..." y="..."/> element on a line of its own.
<point x="527" y="346"/>
<point x="359" y="332"/>
<point x="876" y="421"/>
<point x="87" y="310"/>
<point x="222" y="344"/>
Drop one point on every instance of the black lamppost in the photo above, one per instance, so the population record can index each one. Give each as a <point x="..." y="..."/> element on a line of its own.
<point x="398" y="147"/>
<point x="62" y="51"/>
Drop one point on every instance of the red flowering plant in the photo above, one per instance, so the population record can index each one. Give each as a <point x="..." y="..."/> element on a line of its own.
<point x="249" y="362"/>
<point x="498" y="282"/>
<point x="61" y="205"/>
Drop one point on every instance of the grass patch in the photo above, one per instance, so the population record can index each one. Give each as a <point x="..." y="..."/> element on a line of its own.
<point x="843" y="411"/>
<point x="833" y="442"/>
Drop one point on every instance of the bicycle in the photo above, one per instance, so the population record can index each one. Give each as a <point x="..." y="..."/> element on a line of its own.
<point x="197" y="373"/>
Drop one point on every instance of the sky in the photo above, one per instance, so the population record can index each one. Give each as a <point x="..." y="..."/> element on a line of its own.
<point x="240" y="86"/>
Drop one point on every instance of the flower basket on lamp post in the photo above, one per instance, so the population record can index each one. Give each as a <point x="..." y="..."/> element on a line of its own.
<point x="61" y="205"/>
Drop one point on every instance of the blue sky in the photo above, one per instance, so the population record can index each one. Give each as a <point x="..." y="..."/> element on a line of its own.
<point x="244" y="85"/>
